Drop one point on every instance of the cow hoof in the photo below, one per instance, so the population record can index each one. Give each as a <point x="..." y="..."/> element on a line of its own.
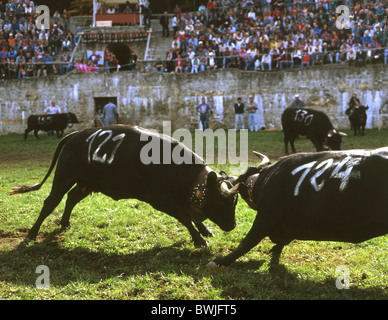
<point x="27" y="240"/>
<point x="200" y="245"/>
<point x="212" y="265"/>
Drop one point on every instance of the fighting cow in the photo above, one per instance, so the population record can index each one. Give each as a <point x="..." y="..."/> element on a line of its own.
<point x="313" y="124"/>
<point x="47" y="122"/>
<point x="357" y="117"/>
<point x="323" y="196"/>
<point x="119" y="162"/>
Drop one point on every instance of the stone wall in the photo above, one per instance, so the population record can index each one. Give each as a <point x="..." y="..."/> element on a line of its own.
<point x="148" y="99"/>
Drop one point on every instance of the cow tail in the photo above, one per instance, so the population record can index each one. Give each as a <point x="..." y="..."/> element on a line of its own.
<point x="24" y="188"/>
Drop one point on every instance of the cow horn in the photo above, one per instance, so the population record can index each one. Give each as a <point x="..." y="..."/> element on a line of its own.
<point x="228" y="192"/>
<point x="264" y="159"/>
<point x="342" y="134"/>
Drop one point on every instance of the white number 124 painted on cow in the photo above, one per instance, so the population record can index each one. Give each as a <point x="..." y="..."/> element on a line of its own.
<point x="109" y="137"/>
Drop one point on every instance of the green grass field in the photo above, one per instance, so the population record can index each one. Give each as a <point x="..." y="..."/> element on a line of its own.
<point x="128" y="250"/>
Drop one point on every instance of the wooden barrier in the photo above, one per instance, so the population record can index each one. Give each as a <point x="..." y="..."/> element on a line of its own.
<point x="119" y="18"/>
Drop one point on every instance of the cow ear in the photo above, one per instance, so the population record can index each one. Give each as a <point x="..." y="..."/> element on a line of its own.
<point x="212" y="179"/>
<point x="243" y="189"/>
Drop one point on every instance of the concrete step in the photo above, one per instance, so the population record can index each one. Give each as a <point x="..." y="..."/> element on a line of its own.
<point x="158" y="46"/>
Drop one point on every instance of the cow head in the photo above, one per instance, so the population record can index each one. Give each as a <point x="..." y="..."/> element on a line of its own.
<point x="71" y="119"/>
<point x="334" y="139"/>
<point x="213" y="197"/>
<point x="245" y="182"/>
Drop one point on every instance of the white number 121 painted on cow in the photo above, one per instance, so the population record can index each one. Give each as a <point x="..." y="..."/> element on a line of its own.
<point x="109" y="137"/>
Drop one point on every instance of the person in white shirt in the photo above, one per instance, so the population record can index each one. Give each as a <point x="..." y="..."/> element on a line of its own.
<point x="351" y="57"/>
<point x="52" y="109"/>
<point x="266" y="62"/>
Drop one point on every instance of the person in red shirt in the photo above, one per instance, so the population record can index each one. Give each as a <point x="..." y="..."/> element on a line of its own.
<point x="210" y="5"/>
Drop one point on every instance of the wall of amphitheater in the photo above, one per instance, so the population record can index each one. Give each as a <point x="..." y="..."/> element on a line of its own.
<point x="148" y="99"/>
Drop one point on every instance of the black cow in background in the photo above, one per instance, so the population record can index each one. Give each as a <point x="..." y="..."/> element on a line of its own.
<point x="46" y="122"/>
<point x="313" y="124"/>
<point x="357" y="117"/>
<point x="114" y="160"/>
<point x="321" y="196"/>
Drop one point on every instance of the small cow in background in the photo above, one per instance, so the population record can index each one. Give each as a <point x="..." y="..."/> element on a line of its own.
<point x="357" y="117"/>
<point x="313" y="124"/>
<point x="57" y="122"/>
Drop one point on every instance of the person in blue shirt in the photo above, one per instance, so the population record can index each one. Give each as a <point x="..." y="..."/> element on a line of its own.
<point x="110" y="114"/>
<point x="12" y="54"/>
<point x="47" y="68"/>
<point x="298" y="103"/>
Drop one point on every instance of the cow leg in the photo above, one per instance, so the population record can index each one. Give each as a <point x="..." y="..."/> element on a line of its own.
<point x="276" y="252"/>
<point x="168" y="206"/>
<point x="286" y="145"/>
<point x="203" y="230"/>
<point x="26" y="132"/>
<point x="49" y="205"/>
<point x="254" y="236"/>
<point x="75" y="196"/>
<point x="198" y="240"/>
<point x="61" y="186"/>
<point x="292" y="145"/>
<point x="36" y="134"/>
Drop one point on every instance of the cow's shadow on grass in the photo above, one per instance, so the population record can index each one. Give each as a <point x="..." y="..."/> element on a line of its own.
<point x="253" y="279"/>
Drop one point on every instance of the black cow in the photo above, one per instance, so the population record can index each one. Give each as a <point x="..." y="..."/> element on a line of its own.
<point x="47" y="122"/>
<point x="313" y="124"/>
<point x="357" y="118"/>
<point x="323" y="196"/>
<point x="115" y="160"/>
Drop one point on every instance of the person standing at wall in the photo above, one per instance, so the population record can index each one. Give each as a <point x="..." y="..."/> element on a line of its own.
<point x="52" y="109"/>
<point x="110" y="114"/>
<point x="252" y="115"/>
<point x="205" y="111"/>
<point x="239" y="113"/>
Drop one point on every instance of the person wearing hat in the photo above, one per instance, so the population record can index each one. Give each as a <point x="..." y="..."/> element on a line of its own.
<point x="298" y="103"/>
<point x="252" y="115"/>
<point x="239" y="113"/>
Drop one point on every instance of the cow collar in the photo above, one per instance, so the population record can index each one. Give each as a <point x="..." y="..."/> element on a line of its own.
<point x="250" y="183"/>
<point x="198" y="189"/>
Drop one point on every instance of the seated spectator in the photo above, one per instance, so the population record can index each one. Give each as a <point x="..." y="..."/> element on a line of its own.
<point x="266" y="62"/>
<point x="3" y="69"/>
<point x="287" y="60"/>
<point x="159" y="66"/>
<point x="317" y="57"/>
<point x="369" y="55"/>
<point x="179" y="64"/>
<point x="351" y="58"/>
<point x="203" y="63"/>
<point x="305" y="60"/>
<point x="195" y="64"/>
<point x="12" y="69"/>
<point x="187" y="64"/>
<point x="385" y="55"/>
<point x="30" y="68"/>
<point x="81" y="66"/>
<point x="95" y="58"/>
<point x="249" y="61"/>
<point x="275" y="57"/>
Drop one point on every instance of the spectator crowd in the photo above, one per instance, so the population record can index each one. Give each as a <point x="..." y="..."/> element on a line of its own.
<point x="275" y="34"/>
<point x="28" y="50"/>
